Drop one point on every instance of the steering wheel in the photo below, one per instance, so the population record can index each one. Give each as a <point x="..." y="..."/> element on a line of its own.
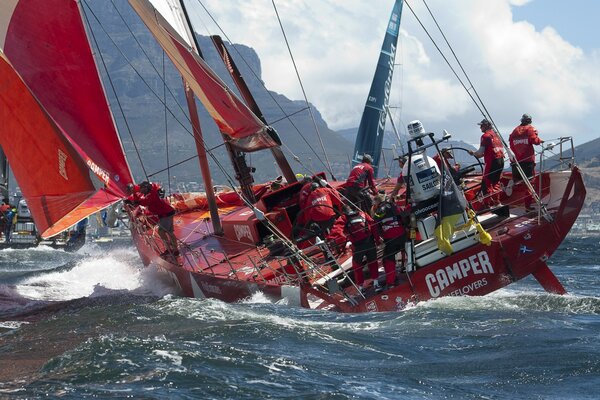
<point x="473" y="170"/>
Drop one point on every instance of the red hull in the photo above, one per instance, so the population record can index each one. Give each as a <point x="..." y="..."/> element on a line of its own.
<point x="233" y="268"/>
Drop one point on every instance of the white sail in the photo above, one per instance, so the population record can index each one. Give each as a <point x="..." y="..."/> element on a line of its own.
<point x="172" y="12"/>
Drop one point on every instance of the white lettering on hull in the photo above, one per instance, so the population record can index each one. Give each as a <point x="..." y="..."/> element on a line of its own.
<point x="444" y="277"/>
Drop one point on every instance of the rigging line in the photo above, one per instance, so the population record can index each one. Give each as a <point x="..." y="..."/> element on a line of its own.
<point x="112" y="83"/>
<point x="183" y="161"/>
<point x="144" y="81"/>
<point x="509" y="151"/>
<point x="147" y="58"/>
<point x="215" y="160"/>
<point x="262" y="83"/>
<point x="138" y="73"/>
<point x="166" y="122"/>
<point x="472" y="86"/>
<point x="312" y="116"/>
<point x="289" y="115"/>
<point x="445" y="59"/>
<point x="457" y="60"/>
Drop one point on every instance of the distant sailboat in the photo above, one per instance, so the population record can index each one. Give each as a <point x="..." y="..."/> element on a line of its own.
<point x="17" y="227"/>
<point x="369" y="139"/>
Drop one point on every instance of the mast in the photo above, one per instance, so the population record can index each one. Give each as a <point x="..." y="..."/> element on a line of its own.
<point x="369" y="139"/>
<point x="233" y="70"/>
<point x="198" y="137"/>
<point x="203" y="160"/>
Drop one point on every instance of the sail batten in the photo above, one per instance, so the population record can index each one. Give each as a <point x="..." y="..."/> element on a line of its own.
<point x="369" y="139"/>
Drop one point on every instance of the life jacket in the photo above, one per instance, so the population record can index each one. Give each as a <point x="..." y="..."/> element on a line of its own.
<point x="388" y="218"/>
<point x="357" y="227"/>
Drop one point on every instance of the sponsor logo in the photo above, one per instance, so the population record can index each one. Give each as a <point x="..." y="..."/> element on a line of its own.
<point x="242" y="231"/>
<point x="100" y="173"/>
<point x="465" y="290"/>
<point x="527" y="236"/>
<point x="62" y="164"/>
<point x="387" y="89"/>
<point x="474" y="265"/>
<point x="319" y="200"/>
<point x="521" y="141"/>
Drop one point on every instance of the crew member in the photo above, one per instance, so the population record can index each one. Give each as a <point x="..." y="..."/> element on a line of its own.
<point x="10" y="216"/>
<point x="493" y="157"/>
<point x="521" y="140"/>
<point x="447" y="154"/>
<point x="322" y="206"/>
<point x="387" y="215"/>
<point x="361" y="177"/>
<point x="149" y="195"/>
<point x="305" y="190"/>
<point x="400" y="181"/>
<point x="4" y="208"/>
<point x="361" y="231"/>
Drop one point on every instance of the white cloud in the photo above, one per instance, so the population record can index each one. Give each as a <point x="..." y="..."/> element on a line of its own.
<point x="514" y="67"/>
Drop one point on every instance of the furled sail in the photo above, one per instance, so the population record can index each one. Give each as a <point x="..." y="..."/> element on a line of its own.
<point x="245" y="131"/>
<point x="57" y="130"/>
<point x="369" y="139"/>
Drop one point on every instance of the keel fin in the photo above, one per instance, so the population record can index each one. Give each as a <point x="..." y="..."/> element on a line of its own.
<point x="548" y="280"/>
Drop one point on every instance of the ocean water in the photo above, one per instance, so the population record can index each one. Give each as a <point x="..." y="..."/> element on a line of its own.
<point x="95" y="324"/>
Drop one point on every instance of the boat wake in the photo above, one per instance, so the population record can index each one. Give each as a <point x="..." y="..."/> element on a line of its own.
<point x="521" y="301"/>
<point x="93" y="273"/>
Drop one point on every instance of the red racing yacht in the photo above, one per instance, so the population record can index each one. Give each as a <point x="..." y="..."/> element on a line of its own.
<point x="62" y="142"/>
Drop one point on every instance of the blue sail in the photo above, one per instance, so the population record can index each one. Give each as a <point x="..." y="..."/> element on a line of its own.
<point x="369" y="139"/>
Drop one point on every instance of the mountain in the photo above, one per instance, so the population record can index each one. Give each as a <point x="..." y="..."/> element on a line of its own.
<point x="587" y="157"/>
<point x="128" y="75"/>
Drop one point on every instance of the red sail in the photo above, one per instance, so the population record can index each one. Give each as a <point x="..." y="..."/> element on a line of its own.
<point x="245" y="130"/>
<point x="52" y="175"/>
<point x="64" y="117"/>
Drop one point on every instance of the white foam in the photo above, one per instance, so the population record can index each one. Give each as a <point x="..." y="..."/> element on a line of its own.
<point x="97" y="274"/>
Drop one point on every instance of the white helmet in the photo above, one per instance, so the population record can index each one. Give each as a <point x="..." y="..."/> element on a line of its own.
<point x="415" y="128"/>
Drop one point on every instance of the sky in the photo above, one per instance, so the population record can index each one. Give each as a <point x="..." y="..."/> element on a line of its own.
<point x="539" y="57"/>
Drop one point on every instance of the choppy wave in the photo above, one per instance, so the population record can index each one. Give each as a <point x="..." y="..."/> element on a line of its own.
<point x="120" y="330"/>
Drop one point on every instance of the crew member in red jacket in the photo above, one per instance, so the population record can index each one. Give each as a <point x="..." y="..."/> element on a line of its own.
<point x="322" y="206"/>
<point x="447" y="153"/>
<point x="493" y="157"/>
<point x="387" y="215"/>
<point x="304" y="190"/>
<point x="362" y="176"/>
<point x="149" y="195"/>
<point x="521" y="140"/>
<point x="362" y="232"/>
